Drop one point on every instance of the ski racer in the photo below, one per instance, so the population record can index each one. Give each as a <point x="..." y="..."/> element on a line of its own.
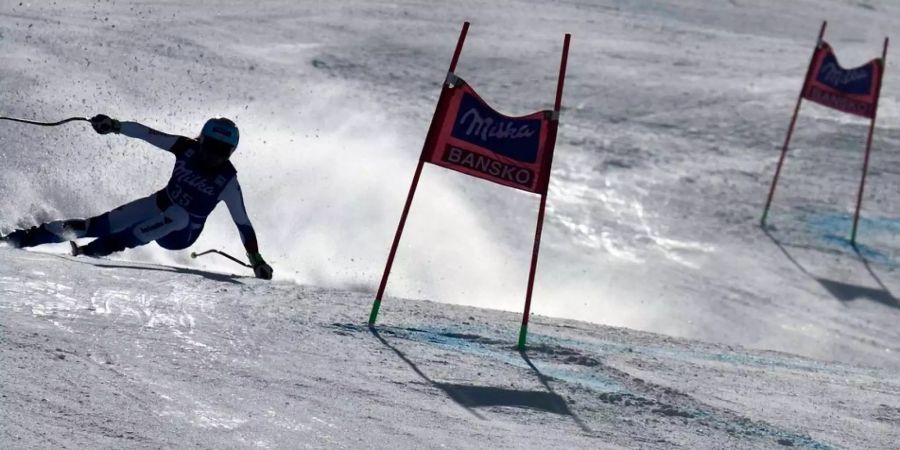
<point x="173" y="217"/>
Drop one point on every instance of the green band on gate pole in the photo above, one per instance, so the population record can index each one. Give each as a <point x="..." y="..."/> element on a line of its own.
<point x="523" y="333"/>
<point x="373" y="316"/>
<point x="764" y="217"/>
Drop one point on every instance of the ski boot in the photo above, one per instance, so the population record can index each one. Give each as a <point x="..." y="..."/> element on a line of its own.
<point x="48" y="233"/>
<point x="16" y="239"/>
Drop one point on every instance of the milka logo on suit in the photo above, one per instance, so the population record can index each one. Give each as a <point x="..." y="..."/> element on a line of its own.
<point x="183" y="175"/>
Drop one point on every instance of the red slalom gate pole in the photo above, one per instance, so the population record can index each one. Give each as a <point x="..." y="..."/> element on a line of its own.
<point x="562" y="73"/>
<point x="376" y="306"/>
<point x="790" y="133"/>
<point x="865" y="170"/>
<point x="523" y="331"/>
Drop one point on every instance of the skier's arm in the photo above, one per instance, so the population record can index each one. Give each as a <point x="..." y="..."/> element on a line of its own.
<point x="234" y="199"/>
<point x="171" y="143"/>
<point x="167" y="142"/>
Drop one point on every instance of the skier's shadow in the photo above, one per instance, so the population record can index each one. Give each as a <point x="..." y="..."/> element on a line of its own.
<point x="845" y="292"/>
<point x="470" y="397"/>
<point x="219" y="277"/>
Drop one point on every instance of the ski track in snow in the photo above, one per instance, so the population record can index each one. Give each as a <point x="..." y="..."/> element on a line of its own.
<point x="674" y="113"/>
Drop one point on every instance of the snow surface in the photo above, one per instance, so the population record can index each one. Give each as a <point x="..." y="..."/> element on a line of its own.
<point x="674" y="115"/>
<point x="106" y="354"/>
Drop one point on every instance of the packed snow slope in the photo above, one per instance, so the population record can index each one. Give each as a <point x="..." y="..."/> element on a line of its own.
<point x="673" y="120"/>
<point x="674" y="115"/>
<point x="111" y="354"/>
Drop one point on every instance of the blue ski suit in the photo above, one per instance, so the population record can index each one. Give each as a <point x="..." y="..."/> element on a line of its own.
<point x="173" y="217"/>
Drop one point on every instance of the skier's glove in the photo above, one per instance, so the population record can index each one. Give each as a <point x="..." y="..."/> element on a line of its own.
<point x="103" y="124"/>
<point x="260" y="268"/>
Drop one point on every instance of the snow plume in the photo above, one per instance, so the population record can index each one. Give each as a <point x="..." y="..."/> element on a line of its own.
<point x="325" y="177"/>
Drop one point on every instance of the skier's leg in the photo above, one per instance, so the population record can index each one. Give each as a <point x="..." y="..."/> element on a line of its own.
<point x="173" y="219"/>
<point x="123" y="217"/>
<point x="181" y="239"/>
<point x="102" y="225"/>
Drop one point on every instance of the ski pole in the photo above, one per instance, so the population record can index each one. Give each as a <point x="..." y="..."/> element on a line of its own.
<point x="195" y="255"/>
<point x="46" y="124"/>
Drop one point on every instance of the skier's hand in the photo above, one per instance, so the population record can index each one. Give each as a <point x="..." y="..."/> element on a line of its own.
<point x="260" y="268"/>
<point x="103" y="124"/>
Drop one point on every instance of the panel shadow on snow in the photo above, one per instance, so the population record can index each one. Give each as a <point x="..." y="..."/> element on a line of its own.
<point x="486" y="396"/>
<point x="473" y="396"/>
<point x="846" y="292"/>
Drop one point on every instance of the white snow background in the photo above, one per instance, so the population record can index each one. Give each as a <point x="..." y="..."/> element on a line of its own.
<point x="674" y="114"/>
